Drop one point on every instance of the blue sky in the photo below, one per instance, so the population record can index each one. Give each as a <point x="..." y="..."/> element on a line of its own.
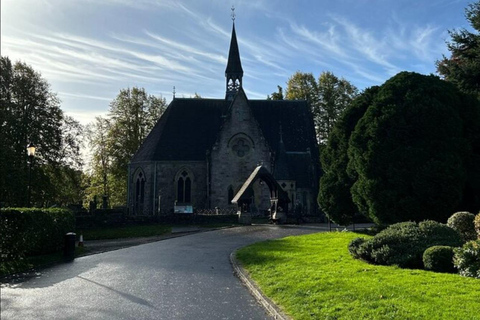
<point x="90" y="49"/>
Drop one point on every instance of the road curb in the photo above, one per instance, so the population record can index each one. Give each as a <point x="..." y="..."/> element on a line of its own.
<point x="268" y="304"/>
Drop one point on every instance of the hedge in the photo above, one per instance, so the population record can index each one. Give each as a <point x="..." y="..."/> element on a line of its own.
<point x="33" y="231"/>
<point x="404" y="243"/>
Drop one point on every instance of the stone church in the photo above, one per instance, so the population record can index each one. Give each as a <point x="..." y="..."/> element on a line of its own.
<point x="201" y="152"/>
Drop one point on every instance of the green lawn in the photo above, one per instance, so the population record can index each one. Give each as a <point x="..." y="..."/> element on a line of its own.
<point x="314" y="277"/>
<point x="125" y="232"/>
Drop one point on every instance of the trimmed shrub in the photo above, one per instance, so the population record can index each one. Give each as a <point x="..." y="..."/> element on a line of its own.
<point x="462" y="222"/>
<point x="33" y="231"/>
<point x="467" y="259"/>
<point x="356" y="248"/>
<point x="403" y="243"/>
<point x="476" y="223"/>
<point x="439" y="259"/>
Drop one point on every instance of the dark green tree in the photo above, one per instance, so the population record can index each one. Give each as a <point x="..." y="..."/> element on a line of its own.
<point x="463" y="66"/>
<point x="334" y="197"/>
<point x="463" y="69"/>
<point x="410" y="150"/>
<point x="30" y="112"/>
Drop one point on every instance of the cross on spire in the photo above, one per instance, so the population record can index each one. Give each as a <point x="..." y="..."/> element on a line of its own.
<point x="233" y="13"/>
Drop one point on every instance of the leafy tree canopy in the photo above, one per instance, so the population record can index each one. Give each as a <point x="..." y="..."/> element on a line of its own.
<point x="115" y="139"/>
<point x="328" y="97"/>
<point x="30" y="112"/>
<point x="463" y="66"/>
<point x="276" y="95"/>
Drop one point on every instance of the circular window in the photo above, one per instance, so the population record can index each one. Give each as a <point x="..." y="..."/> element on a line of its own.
<point x="241" y="147"/>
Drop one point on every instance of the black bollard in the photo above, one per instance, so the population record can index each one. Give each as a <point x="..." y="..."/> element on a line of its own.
<point x="69" y="248"/>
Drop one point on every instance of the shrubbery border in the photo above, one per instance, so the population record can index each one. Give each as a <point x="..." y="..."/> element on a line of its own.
<point x="33" y="231"/>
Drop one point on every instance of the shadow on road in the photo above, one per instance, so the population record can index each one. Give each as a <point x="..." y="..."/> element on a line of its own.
<point x="127" y="296"/>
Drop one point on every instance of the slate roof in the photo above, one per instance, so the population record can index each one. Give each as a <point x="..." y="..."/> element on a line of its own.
<point x="186" y="130"/>
<point x="304" y="177"/>
<point x="189" y="127"/>
<point x="281" y="170"/>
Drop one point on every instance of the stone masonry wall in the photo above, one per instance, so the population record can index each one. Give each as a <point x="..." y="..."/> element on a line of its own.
<point x="165" y="186"/>
<point x="239" y="149"/>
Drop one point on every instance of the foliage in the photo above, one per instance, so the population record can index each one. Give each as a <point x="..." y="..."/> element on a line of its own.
<point x="313" y="277"/>
<point x="31" y="113"/>
<point x="114" y="140"/>
<point x="403" y="243"/>
<point x="33" y="231"/>
<point x="97" y="180"/>
<point x="302" y="86"/>
<point x="328" y="97"/>
<point x="334" y="196"/>
<point x="276" y="95"/>
<point x="410" y="149"/>
<point x="477" y="225"/>
<point x="463" y="66"/>
<point x="467" y="259"/>
<point x="359" y="249"/>
<point x="439" y="259"/>
<point x="462" y="222"/>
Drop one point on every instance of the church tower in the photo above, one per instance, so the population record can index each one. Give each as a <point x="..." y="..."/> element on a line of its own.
<point x="234" y="71"/>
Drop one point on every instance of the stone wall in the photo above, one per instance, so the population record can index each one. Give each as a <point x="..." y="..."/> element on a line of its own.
<point x="160" y="185"/>
<point x="239" y="149"/>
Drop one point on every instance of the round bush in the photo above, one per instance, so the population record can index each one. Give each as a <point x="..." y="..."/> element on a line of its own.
<point x="462" y="222"/>
<point x="476" y="223"/>
<point x="439" y="259"/>
<point x="467" y="259"/>
<point x="403" y="243"/>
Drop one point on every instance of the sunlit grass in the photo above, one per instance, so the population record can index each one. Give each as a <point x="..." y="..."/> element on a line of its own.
<point x="314" y="277"/>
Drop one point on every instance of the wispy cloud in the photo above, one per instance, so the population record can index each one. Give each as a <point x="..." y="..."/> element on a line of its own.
<point x="89" y="49"/>
<point x="84" y="96"/>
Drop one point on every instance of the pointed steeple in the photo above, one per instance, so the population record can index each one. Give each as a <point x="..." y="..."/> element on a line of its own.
<point x="234" y="71"/>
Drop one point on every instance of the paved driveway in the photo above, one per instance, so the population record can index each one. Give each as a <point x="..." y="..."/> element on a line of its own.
<point x="188" y="277"/>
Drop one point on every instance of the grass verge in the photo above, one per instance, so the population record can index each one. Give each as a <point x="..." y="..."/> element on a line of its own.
<point x="138" y="231"/>
<point x="314" y="277"/>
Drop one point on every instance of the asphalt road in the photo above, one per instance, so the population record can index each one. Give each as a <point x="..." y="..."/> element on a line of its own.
<point x="187" y="277"/>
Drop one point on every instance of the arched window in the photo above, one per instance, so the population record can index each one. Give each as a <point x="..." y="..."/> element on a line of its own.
<point x="139" y="193"/>
<point x="184" y="186"/>
<point x="188" y="190"/>
<point x="180" y="190"/>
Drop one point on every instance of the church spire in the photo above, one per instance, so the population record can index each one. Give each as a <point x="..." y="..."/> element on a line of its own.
<point x="234" y="71"/>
